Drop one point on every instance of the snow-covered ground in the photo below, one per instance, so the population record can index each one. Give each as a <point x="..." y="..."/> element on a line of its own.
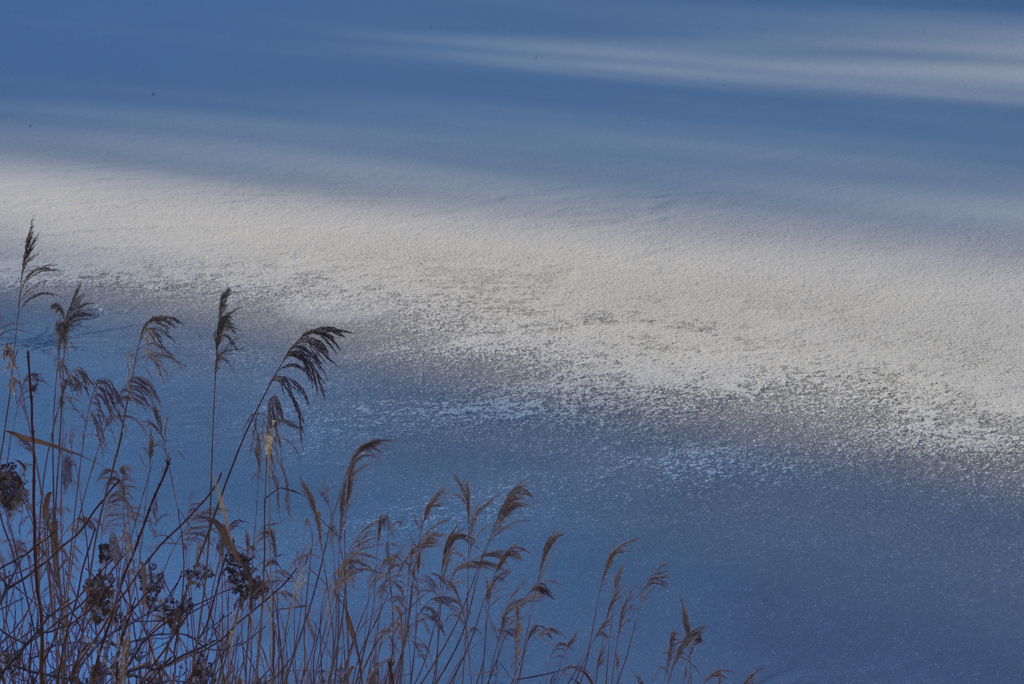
<point x="808" y="210"/>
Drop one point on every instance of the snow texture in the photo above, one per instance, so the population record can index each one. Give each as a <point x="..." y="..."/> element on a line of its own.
<point x="663" y="195"/>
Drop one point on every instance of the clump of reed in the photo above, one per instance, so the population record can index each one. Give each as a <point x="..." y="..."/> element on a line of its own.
<point x="100" y="583"/>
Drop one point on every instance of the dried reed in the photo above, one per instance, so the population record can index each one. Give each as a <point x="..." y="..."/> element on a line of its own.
<point x="99" y="586"/>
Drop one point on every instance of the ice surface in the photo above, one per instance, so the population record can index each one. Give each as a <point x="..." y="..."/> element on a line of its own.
<point x="662" y="195"/>
<point x="774" y="224"/>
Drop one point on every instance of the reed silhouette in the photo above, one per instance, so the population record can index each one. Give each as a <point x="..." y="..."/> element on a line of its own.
<point x="101" y="583"/>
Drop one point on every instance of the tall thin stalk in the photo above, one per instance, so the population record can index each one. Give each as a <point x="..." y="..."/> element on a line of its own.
<point x="224" y="346"/>
<point x="28" y="291"/>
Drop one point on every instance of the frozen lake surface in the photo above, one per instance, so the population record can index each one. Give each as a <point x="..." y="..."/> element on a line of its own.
<point x="741" y="278"/>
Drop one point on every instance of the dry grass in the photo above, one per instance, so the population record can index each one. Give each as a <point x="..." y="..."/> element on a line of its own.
<point x="100" y="585"/>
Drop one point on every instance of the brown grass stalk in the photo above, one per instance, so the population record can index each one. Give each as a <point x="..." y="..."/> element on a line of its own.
<point x="106" y="577"/>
